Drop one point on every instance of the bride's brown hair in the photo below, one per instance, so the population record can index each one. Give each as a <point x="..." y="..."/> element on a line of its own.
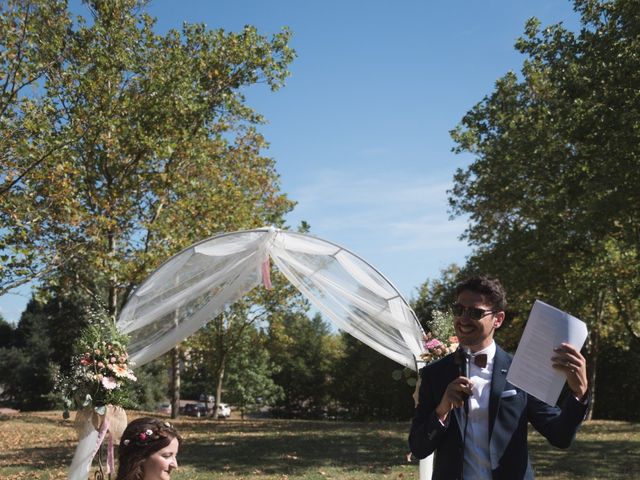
<point x="141" y="439"/>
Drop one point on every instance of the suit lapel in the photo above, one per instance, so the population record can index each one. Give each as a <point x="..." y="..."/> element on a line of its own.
<point x="453" y="371"/>
<point x="498" y="380"/>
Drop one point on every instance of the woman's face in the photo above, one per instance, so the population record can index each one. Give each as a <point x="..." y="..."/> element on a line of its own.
<point x="160" y="464"/>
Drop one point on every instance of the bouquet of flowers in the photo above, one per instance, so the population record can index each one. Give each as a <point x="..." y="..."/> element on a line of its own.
<point x="440" y="327"/>
<point x="100" y="369"/>
<point x="97" y="384"/>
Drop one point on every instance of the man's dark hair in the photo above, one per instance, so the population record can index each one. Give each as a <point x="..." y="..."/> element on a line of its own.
<point x="489" y="287"/>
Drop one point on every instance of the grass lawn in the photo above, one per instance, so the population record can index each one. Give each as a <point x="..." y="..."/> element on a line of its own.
<point x="41" y="445"/>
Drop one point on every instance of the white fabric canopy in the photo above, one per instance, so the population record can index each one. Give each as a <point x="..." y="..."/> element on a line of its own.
<point x="195" y="286"/>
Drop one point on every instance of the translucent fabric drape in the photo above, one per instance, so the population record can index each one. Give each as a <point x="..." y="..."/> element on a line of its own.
<point x="196" y="285"/>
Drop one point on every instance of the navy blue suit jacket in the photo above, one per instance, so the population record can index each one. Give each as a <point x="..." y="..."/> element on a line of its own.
<point x="508" y="418"/>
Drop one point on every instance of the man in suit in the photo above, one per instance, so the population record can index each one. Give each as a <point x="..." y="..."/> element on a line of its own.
<point x="487" y="438"/>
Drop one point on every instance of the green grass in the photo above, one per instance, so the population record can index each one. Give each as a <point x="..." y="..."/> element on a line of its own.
<point x="41" y="445"/>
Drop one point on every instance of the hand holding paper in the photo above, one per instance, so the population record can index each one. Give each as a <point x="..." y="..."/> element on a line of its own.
<point x="533" y="369"/>
<point x="572" y="363"/>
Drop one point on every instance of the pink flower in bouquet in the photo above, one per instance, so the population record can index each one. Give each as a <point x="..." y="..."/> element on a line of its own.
<point x="109" y="383"/>
<point x="433" y="343"/>
<point x="122" y="371"/>
<point x="436" y="349"/>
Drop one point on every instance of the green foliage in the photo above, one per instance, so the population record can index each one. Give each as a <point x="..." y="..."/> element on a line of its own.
<point x="552" y="192"/>
<point x="556" y="170"/>
<point x="364" y="385"/>
<point x="249" y="375"/>
<point x="616" y="367"/>
<point x="7" y="332"/>
<point x="436" y="296"/>
<point x="306" y="354"/>
<point x="25" y="369"/>
<point x="151" y="386"/>
<point x="121" y="146"/>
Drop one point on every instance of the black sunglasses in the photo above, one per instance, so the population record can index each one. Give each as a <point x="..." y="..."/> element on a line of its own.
<point x="472" y="312"/>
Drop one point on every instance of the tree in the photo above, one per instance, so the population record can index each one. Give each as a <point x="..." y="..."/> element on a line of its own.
<point x="249" y="374"/>
<point x="120" y="146"/>
<point x="213" y="347"/>
<point x="437" y="294"/>
<point x="306" y="353"/>
<point x="129" y="145"/>
<point x="32" y="42"/>
<point x="365" y="384"/>
<point x="552" y="192"/>
<point x="6" y="333"/>
<point x="25" y="369"/>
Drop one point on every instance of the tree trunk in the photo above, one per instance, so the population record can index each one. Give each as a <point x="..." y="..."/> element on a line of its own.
<point x="175" y="382"/>
<point x="594" y="347"/>
<point x="591" y="369"/>
<point x="219" y="387"/>
<point x="112" y="306"/>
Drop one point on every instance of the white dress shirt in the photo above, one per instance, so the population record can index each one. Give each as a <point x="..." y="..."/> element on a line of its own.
<point x="477" y="463"/>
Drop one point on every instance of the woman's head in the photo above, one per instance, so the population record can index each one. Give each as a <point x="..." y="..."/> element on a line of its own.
<point x="148" y="450"/>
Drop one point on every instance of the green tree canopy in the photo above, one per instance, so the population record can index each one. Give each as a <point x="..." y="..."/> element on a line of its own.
<point x="121" y="146"/>
<point x="306" y="353"/>
<point x="552" y="191"/>
<point x="553" y="187"/>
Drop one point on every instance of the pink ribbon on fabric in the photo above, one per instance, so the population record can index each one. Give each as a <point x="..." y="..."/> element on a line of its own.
<point x="104" y="431"/>
<point x="110" y="461"/>
<point x="266" y="274"/>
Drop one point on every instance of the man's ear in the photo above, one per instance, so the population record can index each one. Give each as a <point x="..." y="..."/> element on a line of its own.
<point x="499" y="318"/>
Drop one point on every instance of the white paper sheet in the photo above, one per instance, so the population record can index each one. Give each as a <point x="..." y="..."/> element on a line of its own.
<point x="531" y="368"/>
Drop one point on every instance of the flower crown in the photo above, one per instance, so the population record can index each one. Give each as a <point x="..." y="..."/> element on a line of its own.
<point x="148" y="435"/>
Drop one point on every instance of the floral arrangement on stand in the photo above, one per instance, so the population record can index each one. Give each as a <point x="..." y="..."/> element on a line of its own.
<point x="97" y="385"/>
<point x="440" y="327"/>
<point x="100" y="368"/>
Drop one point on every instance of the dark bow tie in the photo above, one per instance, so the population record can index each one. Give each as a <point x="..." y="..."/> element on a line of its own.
<point x="480" y="359"/>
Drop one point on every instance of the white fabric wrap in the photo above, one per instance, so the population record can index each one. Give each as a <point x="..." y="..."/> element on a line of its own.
<point x="197" y="284"/>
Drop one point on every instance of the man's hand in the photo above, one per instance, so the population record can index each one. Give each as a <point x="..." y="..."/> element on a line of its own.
<point x="454" y="396"/>
<point x="574" y="366"/>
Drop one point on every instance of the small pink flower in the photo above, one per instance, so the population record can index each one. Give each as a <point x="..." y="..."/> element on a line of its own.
<point x="143" y="436"/>
<point x="100" y="365"/>
<point x="433" y="343"/>
<point x="109" y="383"/>
<point x="112" y="360"/>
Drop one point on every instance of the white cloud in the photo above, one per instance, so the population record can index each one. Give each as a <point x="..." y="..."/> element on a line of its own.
<point x="390" y="210"/>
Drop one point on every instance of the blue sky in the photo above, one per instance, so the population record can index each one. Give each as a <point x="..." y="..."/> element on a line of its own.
<point x="360" y="133"/>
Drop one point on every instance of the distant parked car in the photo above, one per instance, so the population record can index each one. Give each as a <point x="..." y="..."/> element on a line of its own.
<point x="164" y="408"/>
<point x="195" y="410"/>
<point x="224" y="411"/>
